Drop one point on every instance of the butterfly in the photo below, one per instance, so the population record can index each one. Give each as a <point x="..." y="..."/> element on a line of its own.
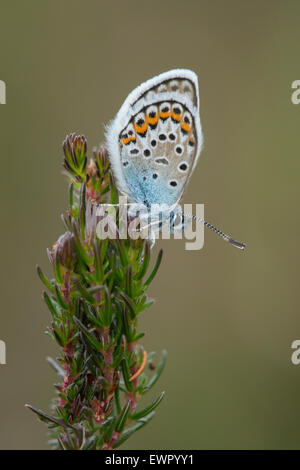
<point x="154" y="144"/>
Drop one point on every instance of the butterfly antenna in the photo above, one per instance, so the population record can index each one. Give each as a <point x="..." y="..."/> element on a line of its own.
<point x="221" y="234"/>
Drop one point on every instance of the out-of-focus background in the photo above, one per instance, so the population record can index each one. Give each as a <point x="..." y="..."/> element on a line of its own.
<point x="226" y="318"/>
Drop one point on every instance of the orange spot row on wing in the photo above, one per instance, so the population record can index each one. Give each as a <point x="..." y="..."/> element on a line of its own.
<point x="152" y="120"/>
<point x="140" y="129"/>
<point x="164" y="115"/>
<point x="176" y="117"/>
<point x="186" y="127"/>
<point x="126" y="140"/>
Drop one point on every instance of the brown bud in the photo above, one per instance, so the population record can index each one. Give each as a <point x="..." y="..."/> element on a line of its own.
<point x="63" y="251"/>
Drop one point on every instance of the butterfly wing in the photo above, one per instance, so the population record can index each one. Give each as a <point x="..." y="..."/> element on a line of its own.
<point x="155" y="140"/>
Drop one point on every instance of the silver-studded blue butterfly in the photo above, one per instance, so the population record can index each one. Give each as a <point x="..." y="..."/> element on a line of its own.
<point x="155" y="140"/>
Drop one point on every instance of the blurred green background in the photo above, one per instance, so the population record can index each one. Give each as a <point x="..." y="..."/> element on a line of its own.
<point x="226" y="318"/>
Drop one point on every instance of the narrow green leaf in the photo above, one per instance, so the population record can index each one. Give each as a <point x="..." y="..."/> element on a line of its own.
<point x="57" y="337"/>
<point x="104" y="190"/>
<point x="113" y="189"/>
<point x="156" y="376"/>
<point x="110" y="429"/>
<point x="85" y="293"/>
<point x="126" y="375"/>
<point x="99" y="271"/>
<point x="118" y="356"/>
<point x="141" y="414"/>
<point x="95" y="357"/>
<point x="94" y="289"/>
<point x="145" y="262"/>
<point x="50" y="305"/>
<point x="104" y="246"/>
<point x="83" y="165"/>
<point x="57" y="270"/>
<point x="126" y="325"/>
<point x="60" y="300"/>
<point x="117" y="399"/>
<point x="129" y="281"/>
<point x="67" y="167"/>
<point x="71" y="196"/>
<point x="126" y="434"/>
<point x="138" y="337"/>
<point x="92" y="314"/>
<point x="89" y="336"/>
<point x="78" y="246"/>
<point x="155" y="269"/>
<point x="107" y="311"/>
<point x="82" y="209"/>
<point x="122" y="419"/>
<point x="47" y="418"/>
<point x="129" y="304"/>
<point x="122" y="252"/>
<point x="44" y="280"/>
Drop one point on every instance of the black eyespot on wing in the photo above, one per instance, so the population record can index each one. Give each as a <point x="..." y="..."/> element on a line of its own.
<point x="147" y="153"/>
<point x="154" y="176"/>
<point x="191" y="143"/>
<point x="140" y="122"/>
<point x="162" y="137"/>
<point x="125" y="163"/>
<point x="153" y="143"/>
<point x="183" y="166"/>
<point x="172" y="136"/>
<point x="173" y="183"/>
<point x="134" y="151"/>
<point x="162" y="161"/>
<point x="178" y="150"/>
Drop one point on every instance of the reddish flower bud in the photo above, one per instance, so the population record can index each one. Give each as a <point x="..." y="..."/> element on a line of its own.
<point x="63" y="251"/>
